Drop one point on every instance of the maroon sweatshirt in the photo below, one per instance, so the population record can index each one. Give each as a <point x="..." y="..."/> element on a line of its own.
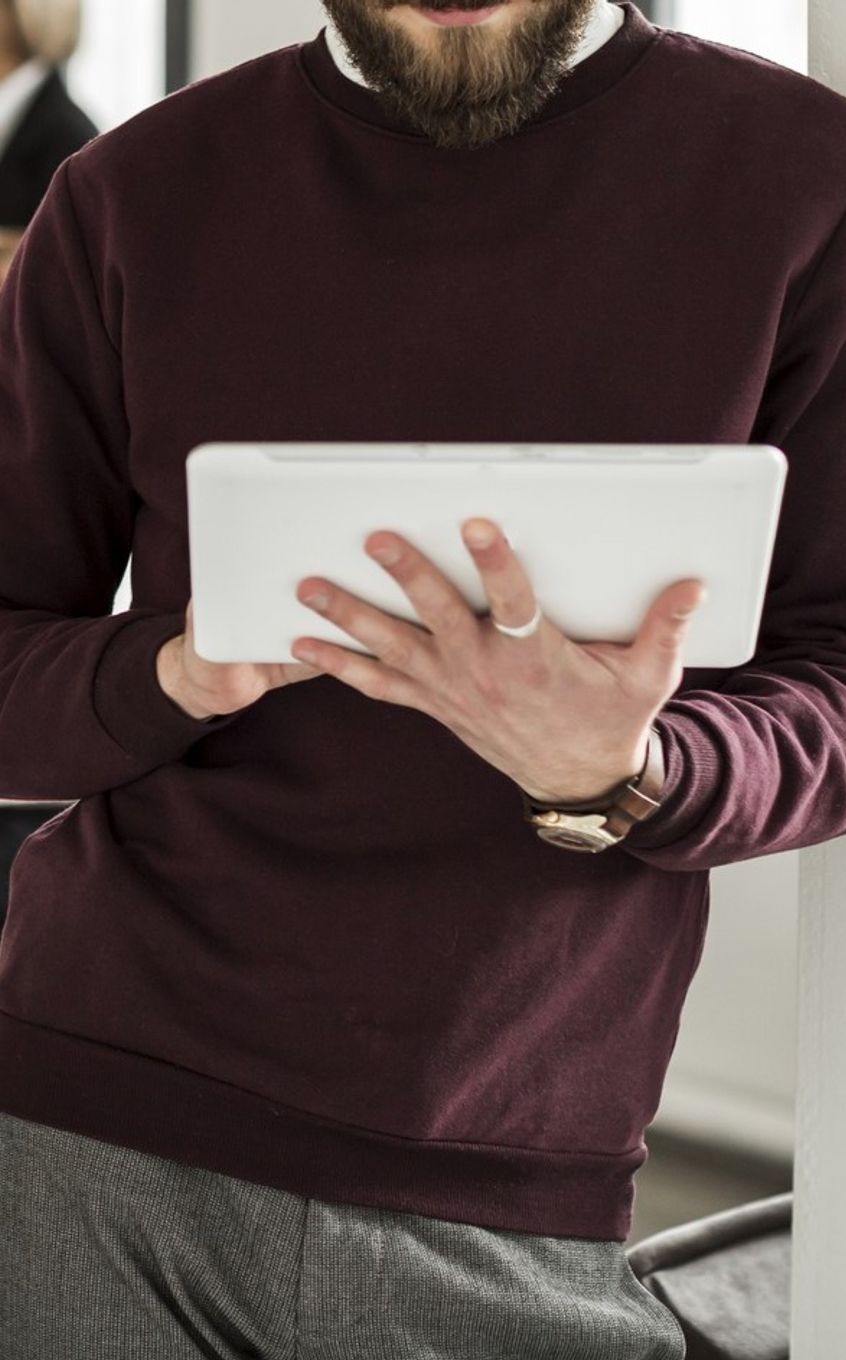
<point x="314" y="945"/>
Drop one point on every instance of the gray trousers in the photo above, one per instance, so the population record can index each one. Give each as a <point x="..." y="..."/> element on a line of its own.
<point x="110" y="1254"/>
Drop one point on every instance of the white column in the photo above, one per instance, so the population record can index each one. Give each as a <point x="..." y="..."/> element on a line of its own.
<point x="819" y="1211"/>
<point x="819" y="1222"/>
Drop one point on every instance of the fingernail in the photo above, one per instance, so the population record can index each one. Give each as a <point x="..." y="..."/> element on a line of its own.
<point x="479" y="535"/>
<point x="691" y="609"/>
<point x="303" y="652"/>
<point x="387" y="556"/>
<point x="317" y="601"/>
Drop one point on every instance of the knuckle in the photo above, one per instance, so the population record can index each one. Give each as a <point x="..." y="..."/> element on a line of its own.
<point x="396" y="653"/>
<point x="669" y="642"/>
<point x="406" y="571"/>
<point x="376" y="686"/>
<point x="451" y="617"/>
<point x="511" y="607"/>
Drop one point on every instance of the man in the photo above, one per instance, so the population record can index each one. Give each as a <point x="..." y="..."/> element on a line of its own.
<point x="315" y="1043"/>
<point x="40" y="125"/>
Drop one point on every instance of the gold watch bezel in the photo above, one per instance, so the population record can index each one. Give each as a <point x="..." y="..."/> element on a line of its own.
<point x="576" y="831"/>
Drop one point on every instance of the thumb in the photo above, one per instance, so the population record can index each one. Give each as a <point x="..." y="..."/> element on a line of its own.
<point x="656" y="651"/>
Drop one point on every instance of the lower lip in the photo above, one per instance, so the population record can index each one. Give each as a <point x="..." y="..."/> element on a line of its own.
<point x="458" y="18"/>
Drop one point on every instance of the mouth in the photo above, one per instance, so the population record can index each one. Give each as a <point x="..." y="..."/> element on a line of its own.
<point x="458" y="18"/>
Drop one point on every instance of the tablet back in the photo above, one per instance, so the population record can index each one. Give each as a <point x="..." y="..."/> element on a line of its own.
<point x="600" y="529"/>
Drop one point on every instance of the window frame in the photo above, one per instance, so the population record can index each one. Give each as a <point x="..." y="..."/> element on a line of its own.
<point x="177" y="44"/>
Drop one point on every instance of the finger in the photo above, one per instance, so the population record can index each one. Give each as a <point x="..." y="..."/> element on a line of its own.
<point x="509" y="591"/>
<point x="399" y="645"/>
<point x="436" y="601"/>
<point x="295" y="673"/>
<point x="370" y="678"/>
<point x="656" y="651"/>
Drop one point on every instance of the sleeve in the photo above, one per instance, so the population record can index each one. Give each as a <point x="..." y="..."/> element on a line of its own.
<point x="81" y="708"/>
<point x="758" y="765"/>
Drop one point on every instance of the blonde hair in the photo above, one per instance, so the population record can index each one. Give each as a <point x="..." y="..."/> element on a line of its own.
<point x="50" y="29"/>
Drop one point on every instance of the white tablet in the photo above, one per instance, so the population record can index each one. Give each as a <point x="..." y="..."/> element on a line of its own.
<point x="601" y="530"/>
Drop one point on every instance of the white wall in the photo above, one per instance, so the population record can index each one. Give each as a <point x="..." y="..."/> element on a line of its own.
<point x="225" y="34"/>
<point x="732" y="1076"/>
<point x="777" y="29"/>
<point x="119" y="67"/>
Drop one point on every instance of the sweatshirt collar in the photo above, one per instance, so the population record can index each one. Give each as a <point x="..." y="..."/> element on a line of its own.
<point x="603" y="24"/>
<point x="595" y="73"/>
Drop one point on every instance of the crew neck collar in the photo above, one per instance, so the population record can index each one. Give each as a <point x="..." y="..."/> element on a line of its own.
<point x="592" y="77"/>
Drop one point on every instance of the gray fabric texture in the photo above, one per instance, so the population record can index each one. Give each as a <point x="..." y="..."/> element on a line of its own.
<point x="107" y="1253"/>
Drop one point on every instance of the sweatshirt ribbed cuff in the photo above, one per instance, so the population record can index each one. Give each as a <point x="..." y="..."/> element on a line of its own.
<point x="131" y="704"/>
<point x="694" y="774"/>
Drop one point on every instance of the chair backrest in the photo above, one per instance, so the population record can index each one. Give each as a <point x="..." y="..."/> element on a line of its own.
<point x="727" y="1280"/>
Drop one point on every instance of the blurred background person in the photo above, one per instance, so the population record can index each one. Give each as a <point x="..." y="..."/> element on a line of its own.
<point x="40" y="125"/>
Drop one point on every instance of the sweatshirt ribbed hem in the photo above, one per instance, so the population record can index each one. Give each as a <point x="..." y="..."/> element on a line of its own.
<point x="165" y="1111"/>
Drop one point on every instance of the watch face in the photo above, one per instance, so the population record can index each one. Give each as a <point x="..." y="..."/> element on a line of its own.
<point x="585" y="838"/>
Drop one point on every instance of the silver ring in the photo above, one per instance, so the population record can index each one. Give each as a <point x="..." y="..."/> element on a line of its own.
<point x="527" y="630"/>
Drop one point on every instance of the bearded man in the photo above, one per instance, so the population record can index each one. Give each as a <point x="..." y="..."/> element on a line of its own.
<point x="313" y="1041"/>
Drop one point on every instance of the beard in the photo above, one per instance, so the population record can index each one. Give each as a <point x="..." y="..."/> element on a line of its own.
<point x="468" y="86"/>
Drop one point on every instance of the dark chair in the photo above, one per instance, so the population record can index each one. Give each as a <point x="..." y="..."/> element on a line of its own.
<point x="17" y="821"/>
<point x="727" y="1280"/>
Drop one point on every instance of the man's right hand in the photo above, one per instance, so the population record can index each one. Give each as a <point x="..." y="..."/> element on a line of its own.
<point x="212" y="689"/>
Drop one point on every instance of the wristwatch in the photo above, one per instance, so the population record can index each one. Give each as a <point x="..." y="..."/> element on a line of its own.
<point x="596" y="826"/>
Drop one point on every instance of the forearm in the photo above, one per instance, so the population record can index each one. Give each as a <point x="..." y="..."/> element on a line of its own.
<point x="756" y="768"/>
<point x="83" y="709"/>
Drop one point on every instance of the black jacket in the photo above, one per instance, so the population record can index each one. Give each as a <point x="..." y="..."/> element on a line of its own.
<point x="53" y="127"/>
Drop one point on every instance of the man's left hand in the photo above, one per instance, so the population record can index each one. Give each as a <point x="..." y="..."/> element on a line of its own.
<point x="565" y="721"/>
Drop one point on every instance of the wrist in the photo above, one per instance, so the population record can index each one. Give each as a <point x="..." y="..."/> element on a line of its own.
<point x="595" y="786"/>
<point x="170" y="675"/>
<point x="594" y="825"/>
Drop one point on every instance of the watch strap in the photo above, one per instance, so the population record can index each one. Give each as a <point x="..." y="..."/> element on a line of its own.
<point x="630" y="802"/>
